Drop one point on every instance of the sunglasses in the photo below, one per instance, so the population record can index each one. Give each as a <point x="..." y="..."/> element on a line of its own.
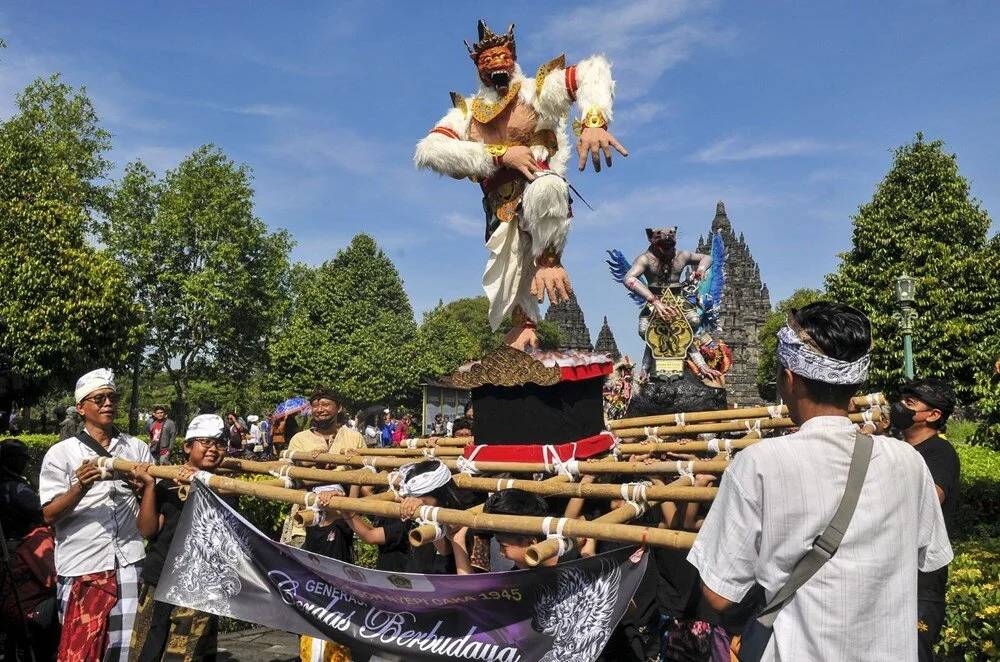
<point x="210" y="443"/>
<point x="101" y="398"/>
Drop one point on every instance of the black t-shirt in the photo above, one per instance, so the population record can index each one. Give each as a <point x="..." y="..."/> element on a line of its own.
<point x="943" y="462"/>
<point x="397" y="555"/>
<point x="643" y="608"/>
<point x="170" y="505"/>
<point x="335" y="541"/>
<point x="20" y="509"/>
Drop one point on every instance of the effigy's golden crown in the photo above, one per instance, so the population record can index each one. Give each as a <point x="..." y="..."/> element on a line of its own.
<point x="490" y="39"/>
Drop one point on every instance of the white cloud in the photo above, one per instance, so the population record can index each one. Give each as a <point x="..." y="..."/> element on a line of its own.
<point x="643" y="38"/>
<point x="735" y="149"/>
<point x="635" y="115"/>
<point x="463" y="224"/>
<point x="662" y="205"/>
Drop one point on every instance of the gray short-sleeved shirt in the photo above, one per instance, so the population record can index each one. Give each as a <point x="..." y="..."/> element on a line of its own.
<point x="779" y="494"/>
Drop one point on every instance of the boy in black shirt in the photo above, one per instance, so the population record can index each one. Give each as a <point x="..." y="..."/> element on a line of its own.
<point x="426" y="483"/>
<point x="162" y="628"/>
<point x="921" y="416"/>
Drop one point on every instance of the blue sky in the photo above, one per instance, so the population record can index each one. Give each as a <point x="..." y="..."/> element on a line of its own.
<point x="788" y="111"/>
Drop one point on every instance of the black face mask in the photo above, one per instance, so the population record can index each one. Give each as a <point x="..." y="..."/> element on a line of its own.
<point x="900" y="416"/>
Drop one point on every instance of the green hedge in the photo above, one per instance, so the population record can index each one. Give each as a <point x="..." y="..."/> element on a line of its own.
<point x="979" y="505"/>
<point x="972" y="628"/>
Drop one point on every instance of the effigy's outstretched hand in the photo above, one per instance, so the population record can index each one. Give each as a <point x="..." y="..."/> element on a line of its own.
<point x="552" y="281"/>
<point x="593" y="141"/>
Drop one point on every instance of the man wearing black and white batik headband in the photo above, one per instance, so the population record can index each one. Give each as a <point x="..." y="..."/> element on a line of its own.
<point x="777" y="496"/>
<point x="426" y="483"/>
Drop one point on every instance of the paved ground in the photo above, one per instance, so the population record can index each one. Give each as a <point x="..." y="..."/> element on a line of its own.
<point x="258" y="645"/>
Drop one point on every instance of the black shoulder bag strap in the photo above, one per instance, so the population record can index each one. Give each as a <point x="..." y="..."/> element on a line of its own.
<point x="92" y="444"/>
<point x="758" y="632"/>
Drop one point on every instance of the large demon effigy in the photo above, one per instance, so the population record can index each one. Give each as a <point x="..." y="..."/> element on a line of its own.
<point x="680" y="293"/>
<point x="510" y="138"/>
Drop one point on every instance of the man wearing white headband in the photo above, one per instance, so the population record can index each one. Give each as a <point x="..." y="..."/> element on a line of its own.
<point x="778" y="496"/>
<point x="99" y="525"/>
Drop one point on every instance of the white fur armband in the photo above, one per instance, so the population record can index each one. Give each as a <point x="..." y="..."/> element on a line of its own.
<point x="595" y="87"/>
<point x="447" y="150"/>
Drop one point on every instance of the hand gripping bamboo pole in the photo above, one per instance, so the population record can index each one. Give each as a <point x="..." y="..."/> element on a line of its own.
<point x="717" y="415"/>
<point x="588" y="467"/>
<point x="542" y="551"/>
<point x="517" y="524"/>
<point x="731" y="426"/>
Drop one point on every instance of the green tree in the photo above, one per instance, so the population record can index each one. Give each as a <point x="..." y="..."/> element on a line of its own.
<point x="352" y="328"/>
<point x="987" y="386"/>
<point x="472" y="313"/>
<point x="211" y="280"/>
<point x="446" y="342"/>
<point x="767" y="367"/>
<point x="922" y="221"/>
<point x="64" y="306"/>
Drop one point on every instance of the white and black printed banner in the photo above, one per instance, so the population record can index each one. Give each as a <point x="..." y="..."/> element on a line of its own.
<point x="221" y="564"/>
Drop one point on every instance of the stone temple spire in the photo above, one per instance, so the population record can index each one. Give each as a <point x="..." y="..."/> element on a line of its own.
<point x="745" y="304"/>
<point x="721" y="221"/>
<point x="569" y="318"/>
<point x="606" y="342"/>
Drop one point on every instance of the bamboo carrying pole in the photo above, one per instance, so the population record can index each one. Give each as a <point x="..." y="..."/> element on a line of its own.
<point x="731" y="426"/>
<point x="522" y="525"/>
<point x="430" y="451"/>
<point x="425" y="533"/>
<point x="700" y="466"/>
<point x="477" y="484"/>
<point x="686" y="446"/>
<point x="542" y="551"/>
<point x="861" y="401"/>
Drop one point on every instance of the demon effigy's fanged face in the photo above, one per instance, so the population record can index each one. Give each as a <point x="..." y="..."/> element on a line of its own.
<point x="494" y="55"/>
<point x="662" y="238"/>
<point x="496" y="67"/>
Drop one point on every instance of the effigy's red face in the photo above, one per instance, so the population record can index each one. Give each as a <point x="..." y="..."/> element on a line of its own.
<point x="496" y="67"/>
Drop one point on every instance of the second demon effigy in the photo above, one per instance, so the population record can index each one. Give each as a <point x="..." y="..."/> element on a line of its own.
<point x="510" y="138"/>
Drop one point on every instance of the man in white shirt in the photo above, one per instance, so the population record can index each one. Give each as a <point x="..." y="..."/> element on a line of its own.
<point x="99" y="526"/>
<point x="779" y="495"/>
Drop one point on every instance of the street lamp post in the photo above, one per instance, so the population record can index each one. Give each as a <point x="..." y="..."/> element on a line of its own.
<point x="905" y="290"/>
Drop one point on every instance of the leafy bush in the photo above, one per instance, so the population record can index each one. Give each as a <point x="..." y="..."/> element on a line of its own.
<point x="961" y="431"/>
<point x="971" y="631"/>
<point x="979" y="503"/>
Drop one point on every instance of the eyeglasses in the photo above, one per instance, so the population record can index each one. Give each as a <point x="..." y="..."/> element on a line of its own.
<point x="101" y="398"/>
<point x="212" y="443"/>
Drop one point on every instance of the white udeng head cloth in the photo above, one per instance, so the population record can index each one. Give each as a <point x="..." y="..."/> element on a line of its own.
<point x="800" y="354"/>
<point x="424" y="483"/>
<point x="205" y="426"/>
<point x="93" y="380"/>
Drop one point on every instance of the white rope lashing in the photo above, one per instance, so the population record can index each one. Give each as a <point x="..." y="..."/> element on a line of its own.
<point x="867" y="422"/>
<point x="428" y="515"/>
<point x="776" y="411"/>
<point x="564" y="543"/>
<point x="651" y="437"/>
<point x="500" y="484"/>
<point x="679" y="419"/>
<point x="637" y="497"/>
<point x="686" y="470"/>
<point x="281" y="473"/>
<point x="368" y="463"/>
<point x="752" y="428"/>
<point x="467" y="465"/>
<point x="104" y="465"/>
